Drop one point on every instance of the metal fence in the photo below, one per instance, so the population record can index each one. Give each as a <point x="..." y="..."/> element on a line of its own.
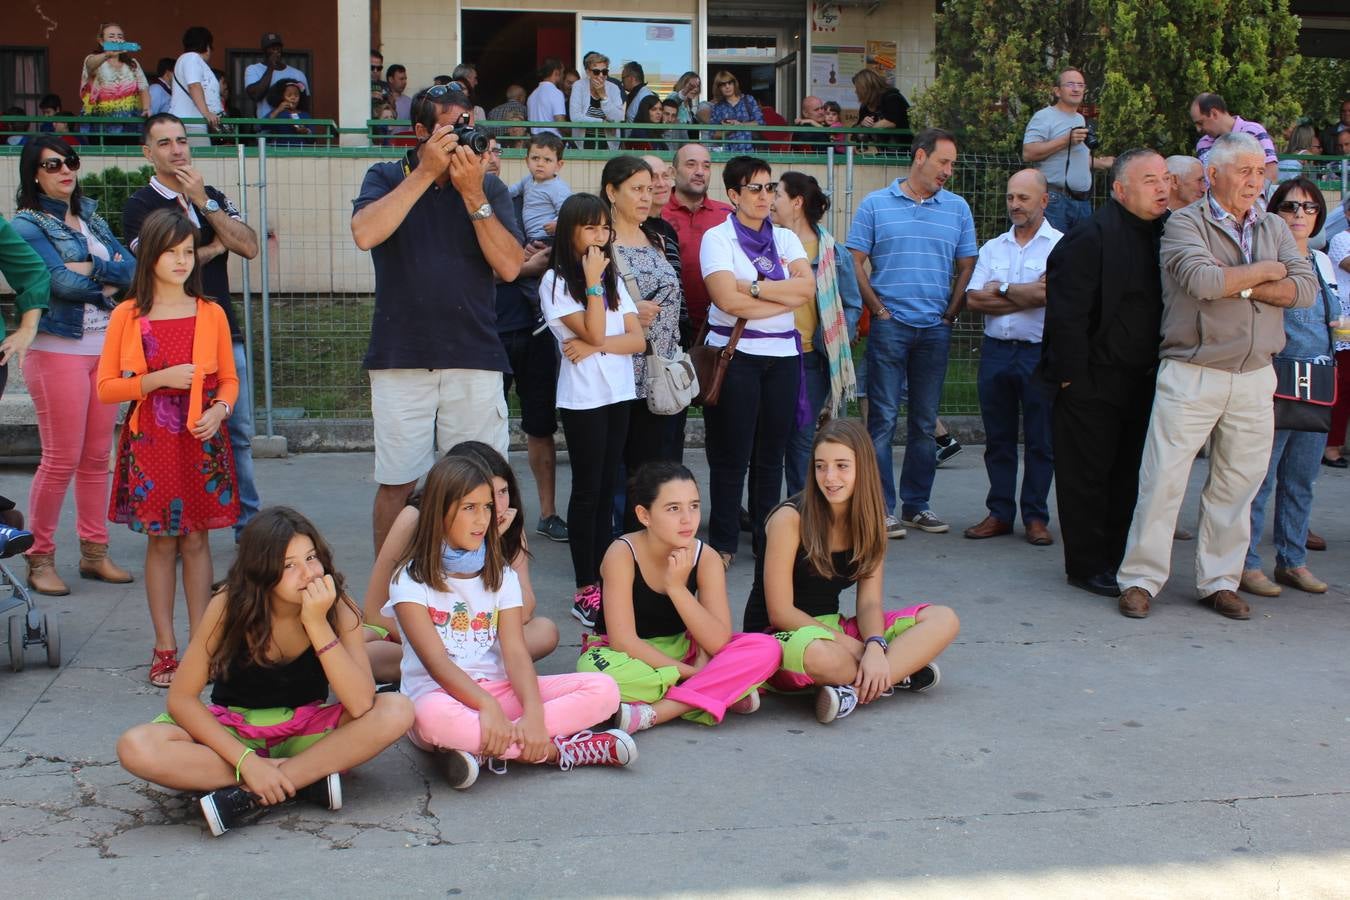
<point x="308" y="299"/>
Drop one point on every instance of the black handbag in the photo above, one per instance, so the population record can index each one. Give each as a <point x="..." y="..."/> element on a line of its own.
<point x="1305" y="389"/>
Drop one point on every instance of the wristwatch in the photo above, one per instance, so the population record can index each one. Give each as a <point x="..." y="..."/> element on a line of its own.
<point x="754" y="289"/>
<point x="1245" y="294"/>
<point x="481" y="213"/>
<point x="210" y="206"/>
<point x="1003" y="289"/>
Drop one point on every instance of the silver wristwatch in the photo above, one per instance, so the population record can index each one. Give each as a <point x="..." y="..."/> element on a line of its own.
<point x="1003" y="289"/>
<point x="754" y="289"/>
<point x="481" y="213"/>
<point x="1245" y="294"/>
<point x="210" y="206"/>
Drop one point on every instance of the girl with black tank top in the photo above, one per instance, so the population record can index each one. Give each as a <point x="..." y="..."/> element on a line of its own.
<point x="275" y="640"/>
<point x="818" y="544"/>
<point x="664" y="626"/>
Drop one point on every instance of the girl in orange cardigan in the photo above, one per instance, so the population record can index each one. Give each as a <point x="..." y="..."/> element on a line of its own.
<point x="168" y="351"/>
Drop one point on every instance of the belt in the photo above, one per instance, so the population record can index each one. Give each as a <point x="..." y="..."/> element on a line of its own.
<point x="990" y="337"/>
<point x="1077" y="195"/>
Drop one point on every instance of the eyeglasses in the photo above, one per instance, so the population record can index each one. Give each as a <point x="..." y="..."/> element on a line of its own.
<point x="602" y="72"/>
<point x="494" y="151"/>
<point x="755" y="187"/>
<point x="1072" y="84"/>
<point x="52" y="165"/>
<point x="1292" y="206"/>
<point x="375" y="67"/>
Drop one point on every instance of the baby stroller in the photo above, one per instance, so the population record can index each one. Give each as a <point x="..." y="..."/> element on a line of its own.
<point x="29" y="627"/>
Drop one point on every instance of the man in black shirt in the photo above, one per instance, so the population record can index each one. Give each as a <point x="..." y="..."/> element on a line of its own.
<point x="177" y="185"/>
<point x="1103" y="316"/>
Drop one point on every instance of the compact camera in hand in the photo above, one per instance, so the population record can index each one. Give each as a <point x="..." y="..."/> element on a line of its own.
<point x="1092" y="142"/>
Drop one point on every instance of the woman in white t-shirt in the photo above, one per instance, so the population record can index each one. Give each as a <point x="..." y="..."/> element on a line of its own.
<point x="466" y="666"/>
<point x="596" y="324"/>
<point x="758" y="272"/>
<point x="196" y="90"/>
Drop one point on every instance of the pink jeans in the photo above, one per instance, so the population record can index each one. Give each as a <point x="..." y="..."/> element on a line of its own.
<point x="572" y="703"/>
<point x="76" y="433"/>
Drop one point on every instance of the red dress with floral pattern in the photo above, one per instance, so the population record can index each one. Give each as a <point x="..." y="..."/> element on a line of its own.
<point x="168" y="483"/>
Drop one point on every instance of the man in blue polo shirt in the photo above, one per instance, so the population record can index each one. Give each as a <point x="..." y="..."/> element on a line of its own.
<point x="914" y="232"/>
<point x="437" y="227"/>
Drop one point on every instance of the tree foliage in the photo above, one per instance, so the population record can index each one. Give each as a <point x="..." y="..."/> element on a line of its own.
<point x="1143" y="60"/>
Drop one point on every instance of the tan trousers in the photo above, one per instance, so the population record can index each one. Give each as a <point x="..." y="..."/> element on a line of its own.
<point x="1191" y="403"/>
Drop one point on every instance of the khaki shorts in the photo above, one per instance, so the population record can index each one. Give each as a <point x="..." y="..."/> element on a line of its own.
<point x="420" y="411"/>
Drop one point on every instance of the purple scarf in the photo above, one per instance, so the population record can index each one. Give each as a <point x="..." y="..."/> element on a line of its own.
<point x="759" y="247"/>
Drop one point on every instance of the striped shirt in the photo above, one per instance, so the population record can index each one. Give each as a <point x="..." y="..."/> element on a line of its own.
<point x="1241" y="231"/>
<point x="912" y="246"/>
<point x="1241" y="126"/>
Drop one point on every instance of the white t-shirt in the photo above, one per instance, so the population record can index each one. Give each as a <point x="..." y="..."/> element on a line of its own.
<point x="721" y="252"/>
<point x="257" y="70"/>
<point x="545" y="102"/>
<point x="601" y="378"/>
<point x="465" y="617"/>
<point x="189" y="70"/>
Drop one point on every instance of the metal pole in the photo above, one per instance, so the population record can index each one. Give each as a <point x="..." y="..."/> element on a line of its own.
<point x="848" y="183"/>
<point x="829" y="188"/>
<point x="266" y="285"/>
<point x="247" y="375"/>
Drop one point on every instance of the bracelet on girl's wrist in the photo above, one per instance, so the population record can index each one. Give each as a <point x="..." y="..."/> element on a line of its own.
<point x="238" y="776"/>
<point x="595" y="290"/>
<point x="326" y="647"/>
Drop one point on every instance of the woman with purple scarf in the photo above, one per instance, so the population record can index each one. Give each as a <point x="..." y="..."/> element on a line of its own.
<point x="760" y="273"/>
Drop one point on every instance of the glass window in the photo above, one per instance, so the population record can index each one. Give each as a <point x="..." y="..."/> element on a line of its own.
<point x="665" y="50"/>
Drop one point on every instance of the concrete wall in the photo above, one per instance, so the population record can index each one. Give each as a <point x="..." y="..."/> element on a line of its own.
<point x="907" y="22"/>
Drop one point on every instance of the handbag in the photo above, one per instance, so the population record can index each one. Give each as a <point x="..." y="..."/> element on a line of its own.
<point x="710" y="364"/>
<point x="670" y="384"/>
<point x="1305" y="389"/>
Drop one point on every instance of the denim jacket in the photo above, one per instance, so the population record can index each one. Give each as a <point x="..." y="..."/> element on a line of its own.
<point x="48" y="234"/>
<point x="1305" y="329"/>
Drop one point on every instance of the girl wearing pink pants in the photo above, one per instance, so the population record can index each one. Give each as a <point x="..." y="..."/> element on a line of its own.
<point x="826" y="539"/>
<point x="466" y="666"/>
<point x="664" y="626"/>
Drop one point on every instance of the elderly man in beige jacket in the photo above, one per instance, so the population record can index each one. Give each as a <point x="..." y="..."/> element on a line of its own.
<point x="1228" y="271"/>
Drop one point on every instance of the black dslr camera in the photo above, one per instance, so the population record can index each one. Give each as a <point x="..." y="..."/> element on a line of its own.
<point x="1092" y="142"/>
<point x="477" y="140"/>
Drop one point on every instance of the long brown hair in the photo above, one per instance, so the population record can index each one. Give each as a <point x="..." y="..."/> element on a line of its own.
<point x="246" y="628"/>
<point x="866" y="519"/>
<point x="162" y="230"/>
<point x="869" y="86"/>
<point x="450" y="480"/>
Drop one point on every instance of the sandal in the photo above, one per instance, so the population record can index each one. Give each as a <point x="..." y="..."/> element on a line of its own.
<point x="163" y="665"/>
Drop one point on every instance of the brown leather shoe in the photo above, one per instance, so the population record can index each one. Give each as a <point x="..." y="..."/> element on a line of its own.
<point x="42" y="575"/>
<point x="1315" y="542"/>
<point x="1134" y="603"/>
<point x="95" y="564"/>
<point x="1037" y="534"/>
<point x="1227" y="603"/>
<point x="990" y="527"/>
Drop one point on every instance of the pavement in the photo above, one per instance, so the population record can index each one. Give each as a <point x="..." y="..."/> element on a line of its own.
<point x="1067" y="749"/>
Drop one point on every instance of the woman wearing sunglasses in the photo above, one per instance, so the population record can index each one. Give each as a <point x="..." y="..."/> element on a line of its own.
<point x="1296" y="456"/>
<point x="596" y="99"/>
<point x="760" y="273"/>
<point x="89" y="270"/>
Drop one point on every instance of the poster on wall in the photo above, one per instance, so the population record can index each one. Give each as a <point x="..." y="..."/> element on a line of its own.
<point x="825" y="16"/>
<point x="881" y="56"/>
<point x="832" y="71"/>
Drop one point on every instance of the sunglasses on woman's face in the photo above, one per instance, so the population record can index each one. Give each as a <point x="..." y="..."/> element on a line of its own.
<point x="1293" y="206"/>
<point x="53" y="164"/>
<point x="755" y="187"/>
<point x="603" y="73"/>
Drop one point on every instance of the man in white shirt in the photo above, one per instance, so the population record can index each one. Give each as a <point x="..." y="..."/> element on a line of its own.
<point x="259" y="77"/>
<point x="1010" y="273"/>
<point x="546" y="102"/>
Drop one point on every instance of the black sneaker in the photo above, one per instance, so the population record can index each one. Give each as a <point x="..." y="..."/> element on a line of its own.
<point x="947" y="448"/>
<point x="224" y="808"/>
<point x="326" y="792"/>
<point x="922" y="680"/>
<point x="553" y="528"/>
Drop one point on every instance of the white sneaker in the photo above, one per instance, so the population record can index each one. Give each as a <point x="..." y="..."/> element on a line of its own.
<point x="746" y="705"/>
<point x="894" y="529"/>
<point x="459" y="767"/>
<point x="634" y="717"/>
<point x="834" y="701"/>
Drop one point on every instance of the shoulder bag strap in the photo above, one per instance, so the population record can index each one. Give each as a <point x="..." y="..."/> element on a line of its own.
<point x="1327" y="297"/>
<point x="732" y="341"/>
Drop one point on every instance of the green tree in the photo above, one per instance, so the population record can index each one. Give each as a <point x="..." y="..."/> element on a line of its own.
<point x="1144" y="62"/>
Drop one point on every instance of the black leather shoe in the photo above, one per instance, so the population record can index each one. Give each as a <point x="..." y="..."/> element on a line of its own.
<point x="1339" y="462"/>
<point x="1103" y="584"/>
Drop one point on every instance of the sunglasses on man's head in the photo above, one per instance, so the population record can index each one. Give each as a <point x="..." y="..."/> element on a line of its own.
<point x="755" y="187"/>
<point x="1293" y="206"/>
<point x="53" y="164"/>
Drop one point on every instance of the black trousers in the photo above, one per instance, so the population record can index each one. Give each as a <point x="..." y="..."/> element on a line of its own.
<point x="1099" y="426"/>
<point x="595" y="439"/>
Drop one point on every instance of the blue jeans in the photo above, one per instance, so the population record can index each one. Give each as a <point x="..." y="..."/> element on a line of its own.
<point x="241" y="441"/>
<point x="1008" y="381"/>
<point x="797" y="464"/>
<point x="1295" y="459"/>
<point x="903" y="358"/>
<point x="1064" y="212"/>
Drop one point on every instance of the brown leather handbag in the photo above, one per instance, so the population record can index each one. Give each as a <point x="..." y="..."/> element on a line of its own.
<point x="710" y="364"/>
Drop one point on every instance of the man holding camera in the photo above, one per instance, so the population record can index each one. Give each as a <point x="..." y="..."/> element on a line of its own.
<point x="1060" y="142"/>
<point x="439" y="229"/>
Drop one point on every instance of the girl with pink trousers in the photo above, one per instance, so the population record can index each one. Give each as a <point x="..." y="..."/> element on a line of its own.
<point x="466" y="665"/>
<point x="664" y="626"/>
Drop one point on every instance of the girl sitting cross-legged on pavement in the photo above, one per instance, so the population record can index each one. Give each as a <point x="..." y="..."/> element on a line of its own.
<point x="466" y="665"/>
<point x="819" y="543"/>
<point x="664" y="625"/>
